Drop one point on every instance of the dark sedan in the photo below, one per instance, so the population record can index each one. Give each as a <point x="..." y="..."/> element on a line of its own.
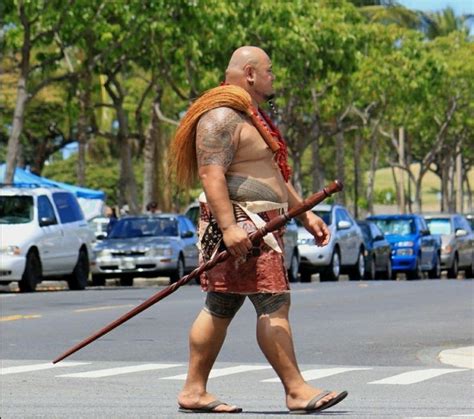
<point x="378" y="252"/>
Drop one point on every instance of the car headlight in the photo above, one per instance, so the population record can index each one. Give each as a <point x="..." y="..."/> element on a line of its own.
<point x="104" y="253"/>
<point x="405" y="244"/>
<point x="308" y="240"/>
<point x="10" y="250"/>
<point x="404" y="252"/>
<point x="160" y="251"/>
<point x="446" y="249"/>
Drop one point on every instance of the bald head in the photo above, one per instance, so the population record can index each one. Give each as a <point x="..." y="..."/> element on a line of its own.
<point x="250" y="68"/>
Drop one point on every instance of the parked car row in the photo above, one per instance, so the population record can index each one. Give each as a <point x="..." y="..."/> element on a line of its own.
<point x="45" y="236"/>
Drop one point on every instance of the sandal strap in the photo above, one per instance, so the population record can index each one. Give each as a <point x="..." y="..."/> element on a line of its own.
<point x="312" y="403"/>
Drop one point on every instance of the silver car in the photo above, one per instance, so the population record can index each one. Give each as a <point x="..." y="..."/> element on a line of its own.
<point x="344" y="253"/>
<point x="290" y="240"/>
<point x="457" y="242"/>
<point x="144" y="246"/>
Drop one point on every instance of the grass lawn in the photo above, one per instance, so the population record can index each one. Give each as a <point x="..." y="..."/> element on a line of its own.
<point x="431" y="186"/>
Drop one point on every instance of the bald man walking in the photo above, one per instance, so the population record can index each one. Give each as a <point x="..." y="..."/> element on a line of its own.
<point x="241" y="162"/>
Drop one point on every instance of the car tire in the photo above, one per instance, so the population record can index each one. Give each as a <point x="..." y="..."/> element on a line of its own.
<point x="435" y="272"/>
<point x="78" y="279"/>
<point x="370" y="271"/>
<point x="179" y="272"/>
<point x="294" y="267"/>
<point x="305" y="275"/>
<point x="357" y="271"/>
<point x="416" y="273"/>
<point x="98" y="280"/>
<point x="454" y="268"/>
<point x="388" y="272"/>
<point x="126" y="281"/>
<point x="332" y="272"/>
<point x="32" y="273"/>
<point x="469" y="272"/>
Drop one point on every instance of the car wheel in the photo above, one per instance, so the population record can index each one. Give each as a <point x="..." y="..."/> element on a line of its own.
<point x="179" y="272"/>
<point x="305" y="275"/>
<point x="417" y="272"/>
<point x="435" y="272"/>
<point x="357" y="271"/>
<point x="126" y="281"/>
<point x="469" y="272"/>
<point x="294" y="267"/>
<point x="32" y="273"/>
<point x="98" y="280"/>
<point x="333" y="271"/>
<point x="388" y="273"/>
<point x="454" y="269"/>
<point x="78" y="279"/>
<point x="370" y="269"/>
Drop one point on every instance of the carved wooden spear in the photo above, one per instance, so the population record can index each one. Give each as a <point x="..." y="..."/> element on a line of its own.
<point x="255" y="237"/>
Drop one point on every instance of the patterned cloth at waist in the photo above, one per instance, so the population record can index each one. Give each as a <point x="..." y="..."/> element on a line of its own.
<point x="262" y="270"/>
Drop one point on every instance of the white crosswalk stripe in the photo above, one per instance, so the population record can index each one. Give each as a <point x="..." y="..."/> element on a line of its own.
<point x="221" y="372"/>
<point x="315" y="374"/>
<point x="120" y="370"/>
<point x="38" y="367"/>
<point x="413" y="377"/>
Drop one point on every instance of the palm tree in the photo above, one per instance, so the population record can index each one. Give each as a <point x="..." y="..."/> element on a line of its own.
<point x="444" y="22"/>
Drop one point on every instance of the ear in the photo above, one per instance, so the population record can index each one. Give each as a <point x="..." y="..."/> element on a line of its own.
<point x="249" y="73"/>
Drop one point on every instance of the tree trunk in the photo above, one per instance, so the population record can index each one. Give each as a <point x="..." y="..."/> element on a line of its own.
<point x="149" y="161"/>
<point x="340" y="169"/>
<point x="318" y="169"/>
<point x="297" y="178"/>
<point x="418" y="201"/>
<point x="163" y="188"/>
<point x="83" y="122"/>
<point x="357" y="151"/>
<point x="459" y="179"/>
<point x="371" y="177"/>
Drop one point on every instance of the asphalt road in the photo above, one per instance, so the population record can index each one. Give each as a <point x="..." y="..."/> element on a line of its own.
<point x="380" y="340"/>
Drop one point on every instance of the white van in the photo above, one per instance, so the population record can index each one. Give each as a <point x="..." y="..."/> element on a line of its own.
<point x="43" y="235"/>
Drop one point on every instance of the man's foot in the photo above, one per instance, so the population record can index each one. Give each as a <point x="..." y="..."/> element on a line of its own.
<point x="313" y="400"/>
<point x="204" y="403"/>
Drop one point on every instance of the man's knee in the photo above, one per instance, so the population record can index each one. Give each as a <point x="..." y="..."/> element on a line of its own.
<point x="223" y="305"/>
<point x="266" y="303"/>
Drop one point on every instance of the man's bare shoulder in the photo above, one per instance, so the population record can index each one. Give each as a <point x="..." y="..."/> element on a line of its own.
<point x="221" y="118"/>
<point x="217" y="136"/>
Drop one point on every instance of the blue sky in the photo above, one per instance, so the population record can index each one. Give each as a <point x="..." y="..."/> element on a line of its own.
<point x="460" y="6"/>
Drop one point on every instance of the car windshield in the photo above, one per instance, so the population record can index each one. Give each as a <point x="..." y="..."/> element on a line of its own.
<point x="144" y="227"/>
<point x="399" y="226"/>
<point x="439" y="225"/>
<point x="16" y="209"/>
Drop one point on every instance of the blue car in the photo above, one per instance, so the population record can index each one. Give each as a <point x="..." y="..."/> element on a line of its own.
<point x="414" y="249"/>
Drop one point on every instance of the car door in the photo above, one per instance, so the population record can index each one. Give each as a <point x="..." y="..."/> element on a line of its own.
<point x="188" y="236"/>
<point x="464" y="242"/>
<point x="345" y="238"/>
<point x="50" y="239"/>
<point x="379" y="247"/>
<point x="428" y="242"/>
<point x="70" y="221"/>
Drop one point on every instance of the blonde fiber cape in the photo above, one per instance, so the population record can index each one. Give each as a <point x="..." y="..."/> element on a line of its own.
<point x="183" y="147"/>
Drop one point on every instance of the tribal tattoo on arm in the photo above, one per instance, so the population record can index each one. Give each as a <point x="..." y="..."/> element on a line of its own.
<point x="214" y="137"/>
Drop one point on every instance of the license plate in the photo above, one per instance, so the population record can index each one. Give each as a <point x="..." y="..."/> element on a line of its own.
<point x="127" y="264"/>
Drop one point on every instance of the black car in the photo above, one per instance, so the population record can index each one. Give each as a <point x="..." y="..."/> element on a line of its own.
<point x="378" y="252"/>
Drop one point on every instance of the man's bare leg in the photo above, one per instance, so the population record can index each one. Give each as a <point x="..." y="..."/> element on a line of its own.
<point x="276" y="342"/>
<point x="206" y="337"/>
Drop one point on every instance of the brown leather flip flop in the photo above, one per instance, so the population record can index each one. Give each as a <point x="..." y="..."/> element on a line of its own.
<point x="312" y="408"/>
<point x="209" y="408"/>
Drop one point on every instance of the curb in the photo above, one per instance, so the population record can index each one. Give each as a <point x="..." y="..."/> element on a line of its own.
<point x="459" y="357"/>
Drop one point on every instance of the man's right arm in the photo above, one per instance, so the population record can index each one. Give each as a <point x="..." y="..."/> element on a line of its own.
<point x="216" y="141"/>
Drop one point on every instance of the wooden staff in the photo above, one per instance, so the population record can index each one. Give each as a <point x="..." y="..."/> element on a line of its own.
<point x="255" y="237"/>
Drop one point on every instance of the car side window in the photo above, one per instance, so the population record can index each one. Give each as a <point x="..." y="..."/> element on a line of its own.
<point x="342" y="215"/>
<point x="190" y="224"/>
<point x="457" y="223"/>
<point x="183" y="227"/>
<point x="45" y="209"/>
<point x="68" y="207"/>
<point x="375" y="231"/>
<point x="465" y="225"/>
<point x="422" y="225"/>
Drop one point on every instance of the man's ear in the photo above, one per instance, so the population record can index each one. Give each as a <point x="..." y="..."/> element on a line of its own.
<point x="249" y="72"/>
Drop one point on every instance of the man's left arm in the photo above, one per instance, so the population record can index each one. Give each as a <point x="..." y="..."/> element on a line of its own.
<point x="314" y="224"/>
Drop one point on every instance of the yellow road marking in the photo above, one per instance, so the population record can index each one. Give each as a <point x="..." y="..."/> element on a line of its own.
<point x="19" y="317"/>
<point x="83" y="310"/>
